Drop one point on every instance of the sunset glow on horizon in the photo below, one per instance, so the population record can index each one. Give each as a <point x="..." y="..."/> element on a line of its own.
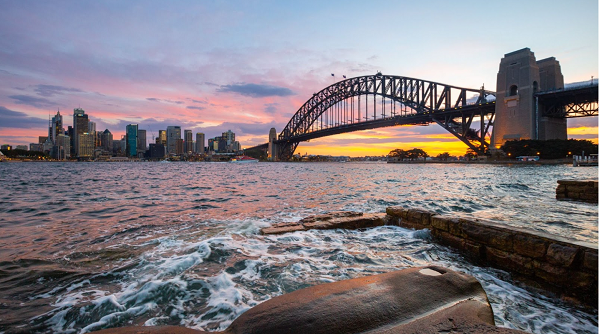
<point x="247" y="67"/>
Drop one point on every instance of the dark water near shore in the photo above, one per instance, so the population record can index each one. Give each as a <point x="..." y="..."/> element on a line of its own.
<point x="96" y="245"/>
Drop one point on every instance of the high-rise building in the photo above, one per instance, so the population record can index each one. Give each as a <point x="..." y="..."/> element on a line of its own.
<point x="80" y="126"/>
<point x="86" y="145"/>
<point x="107" y="140"/>
<point x="162" y="137"/>
<point x="200" y="143"/>
<point x="131" y="132"/>
<point x="173" y="134"/>
<point x="62" y="147"/>
<point x="188" y="141"/>
<point x="229" y="137"/>
<point x="179" y="146"/>
<point x="57" y="127"/>
<point x="141" y="141"/>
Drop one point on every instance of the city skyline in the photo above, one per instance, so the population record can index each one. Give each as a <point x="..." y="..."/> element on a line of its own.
<point x="248" y="67"/>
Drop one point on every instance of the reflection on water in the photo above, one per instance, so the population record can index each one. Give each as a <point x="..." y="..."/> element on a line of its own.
<point x="89" y="246"/>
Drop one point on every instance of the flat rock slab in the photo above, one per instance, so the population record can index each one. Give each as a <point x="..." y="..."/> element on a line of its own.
<point x="341" y="219"/>
<point x="417" y="300"/>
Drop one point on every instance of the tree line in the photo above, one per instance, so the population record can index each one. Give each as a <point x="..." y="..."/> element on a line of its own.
<point x="549" y="149"/>
<point x="409" y="155"/>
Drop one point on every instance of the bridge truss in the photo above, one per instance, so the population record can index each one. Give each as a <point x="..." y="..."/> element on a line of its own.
<point x="578" y="101"/>
<point x="375" y="101"/>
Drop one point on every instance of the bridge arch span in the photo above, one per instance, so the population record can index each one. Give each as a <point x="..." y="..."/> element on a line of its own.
<point x="345" y="107"/>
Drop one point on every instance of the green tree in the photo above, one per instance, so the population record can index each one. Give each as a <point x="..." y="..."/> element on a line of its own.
<point x="416" y="153"/>
<point x="443" y="156"/>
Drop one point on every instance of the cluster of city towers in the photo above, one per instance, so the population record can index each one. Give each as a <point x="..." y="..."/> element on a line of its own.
<point x="81" y="141"/>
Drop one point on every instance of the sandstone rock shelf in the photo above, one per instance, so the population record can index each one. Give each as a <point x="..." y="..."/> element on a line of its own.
<point x="566" y="267"/>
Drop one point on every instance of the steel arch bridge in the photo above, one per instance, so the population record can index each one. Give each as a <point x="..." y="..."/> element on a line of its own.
<point x="375" y="101"/>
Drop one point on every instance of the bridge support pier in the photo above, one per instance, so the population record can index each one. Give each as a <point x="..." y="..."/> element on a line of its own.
<point x="518" y="113"/>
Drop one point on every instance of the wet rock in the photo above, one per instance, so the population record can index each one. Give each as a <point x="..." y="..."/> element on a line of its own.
<point x="343" y="219"/>
<point x="417" y="300"/>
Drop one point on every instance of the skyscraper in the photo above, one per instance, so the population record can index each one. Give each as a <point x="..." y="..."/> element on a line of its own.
<point x="141" y="141"/>
<point x="200" y="143"/>
<point x="131" y="133"/>
<point x="80" y="126"/>
<point x="189" y="143"/>
<point x="173" y="133"/>
<point x="107" y="140"/>
<point x="162" y="137"/>
<point x="56" y="127"/>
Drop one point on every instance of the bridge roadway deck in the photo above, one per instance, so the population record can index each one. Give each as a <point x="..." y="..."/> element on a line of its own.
<point x="422" y="118"/>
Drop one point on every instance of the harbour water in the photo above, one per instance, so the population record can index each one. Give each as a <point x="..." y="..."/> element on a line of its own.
<point x="85" y="246"/>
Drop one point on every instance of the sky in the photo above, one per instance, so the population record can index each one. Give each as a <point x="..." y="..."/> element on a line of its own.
<point x="247" y="66"/>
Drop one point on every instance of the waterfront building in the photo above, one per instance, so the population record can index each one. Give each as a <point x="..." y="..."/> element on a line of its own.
<point x="42" y="139"/>
<point x="86" y="146"/>
<point x="131" y="133"/>
<point x="188" y="141"/>
<point x="141" y="141"/>
<point x="80" y="126"/>
<point x="21" y="147"/>
<point x="35" y="147"/>
<point x="173" y="134"/>
<point x="156" y="151"/>
<point x="62" y="147"/>
<point x="200" y="143"/>
<point x="107" y="140"/>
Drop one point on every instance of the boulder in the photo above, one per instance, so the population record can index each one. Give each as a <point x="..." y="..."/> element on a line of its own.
<point x="417" y="300"/>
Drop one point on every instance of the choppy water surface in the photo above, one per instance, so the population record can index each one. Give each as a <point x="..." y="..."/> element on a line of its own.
<point x="97" y="245"/>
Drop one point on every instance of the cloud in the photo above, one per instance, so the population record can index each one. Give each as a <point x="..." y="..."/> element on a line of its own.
<point x="271" y="108"/>
<point x="198" y="101"/>
<point x="153" y="99"/>
<point x="17" y="119"/>
<point x="51" y="90"/>
<point x="37" y="102"/>
<point x="195" y="107"/>
<point x="256" y="90"/>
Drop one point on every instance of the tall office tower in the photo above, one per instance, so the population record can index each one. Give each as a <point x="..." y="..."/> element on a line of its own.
<point x="162" y="137"/>
<point x="173" y="134"/>
<point x="188" y="141"/>
<point x="107" y="140"/>
<point x="141" y="141"/>
<point x="272" y="153"/>
<point x="86" y="145"/>
<point x="92" y="131"/>
<point x="131" y="132"/>
<point x="80" y="126"/>
<point x="57" y="127"/>
<point x="200" y="143"/>
<point x="179" y="146"/>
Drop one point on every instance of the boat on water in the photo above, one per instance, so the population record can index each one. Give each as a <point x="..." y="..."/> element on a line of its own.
<point x="243" y="159"/>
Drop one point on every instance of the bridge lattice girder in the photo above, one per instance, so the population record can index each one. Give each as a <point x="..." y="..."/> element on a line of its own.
<point x="428" y="101"/>
<point x="581" y="101"/>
